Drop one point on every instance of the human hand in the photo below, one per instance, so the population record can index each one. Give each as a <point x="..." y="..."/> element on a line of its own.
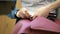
<point x="23" y="13"/>
<point x="43" y="12"/>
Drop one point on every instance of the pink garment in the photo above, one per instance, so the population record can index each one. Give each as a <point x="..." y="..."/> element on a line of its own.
<point x="40" y="25"/>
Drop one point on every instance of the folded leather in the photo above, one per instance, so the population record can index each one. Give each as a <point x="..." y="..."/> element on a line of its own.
<point x="40" y="23"/>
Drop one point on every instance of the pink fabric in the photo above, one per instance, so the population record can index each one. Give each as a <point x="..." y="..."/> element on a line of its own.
<point x="57" y="21"/>
<point x="40" y="25"/>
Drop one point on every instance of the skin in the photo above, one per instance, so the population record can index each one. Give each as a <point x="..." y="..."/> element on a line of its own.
<point x="44" y="11"/>
<point x="23" y="13"/>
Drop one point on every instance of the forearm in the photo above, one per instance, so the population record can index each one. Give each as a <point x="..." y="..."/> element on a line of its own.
<point x="52" y="6"/>
<point x="44" y="11"/>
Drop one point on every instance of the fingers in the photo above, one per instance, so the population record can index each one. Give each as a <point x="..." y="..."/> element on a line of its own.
<point x="27" y="15"/>
<point x="23" y="14"/>
<point x="19" y="14"/>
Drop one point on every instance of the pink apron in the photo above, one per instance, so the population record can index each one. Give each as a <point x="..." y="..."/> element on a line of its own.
<point x="40" y="25"/>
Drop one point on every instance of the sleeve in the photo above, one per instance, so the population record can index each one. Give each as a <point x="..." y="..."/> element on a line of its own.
<point x="13" y="13"/>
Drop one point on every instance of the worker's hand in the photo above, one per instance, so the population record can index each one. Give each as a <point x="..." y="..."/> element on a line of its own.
<point x="23" y="13"/>
<point x="41" y="12"/>
<point x="44" y="11"/>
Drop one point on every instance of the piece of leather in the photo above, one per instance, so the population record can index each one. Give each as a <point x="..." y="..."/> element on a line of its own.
<point x="40" y="25"/>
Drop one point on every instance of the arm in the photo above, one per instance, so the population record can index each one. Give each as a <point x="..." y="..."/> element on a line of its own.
<point x="52" y="6"/>
<point x="23" y="12"/>
<point x="44" y="11"/>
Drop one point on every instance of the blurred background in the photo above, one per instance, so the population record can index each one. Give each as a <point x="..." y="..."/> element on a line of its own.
<point x="6" y="23"/>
